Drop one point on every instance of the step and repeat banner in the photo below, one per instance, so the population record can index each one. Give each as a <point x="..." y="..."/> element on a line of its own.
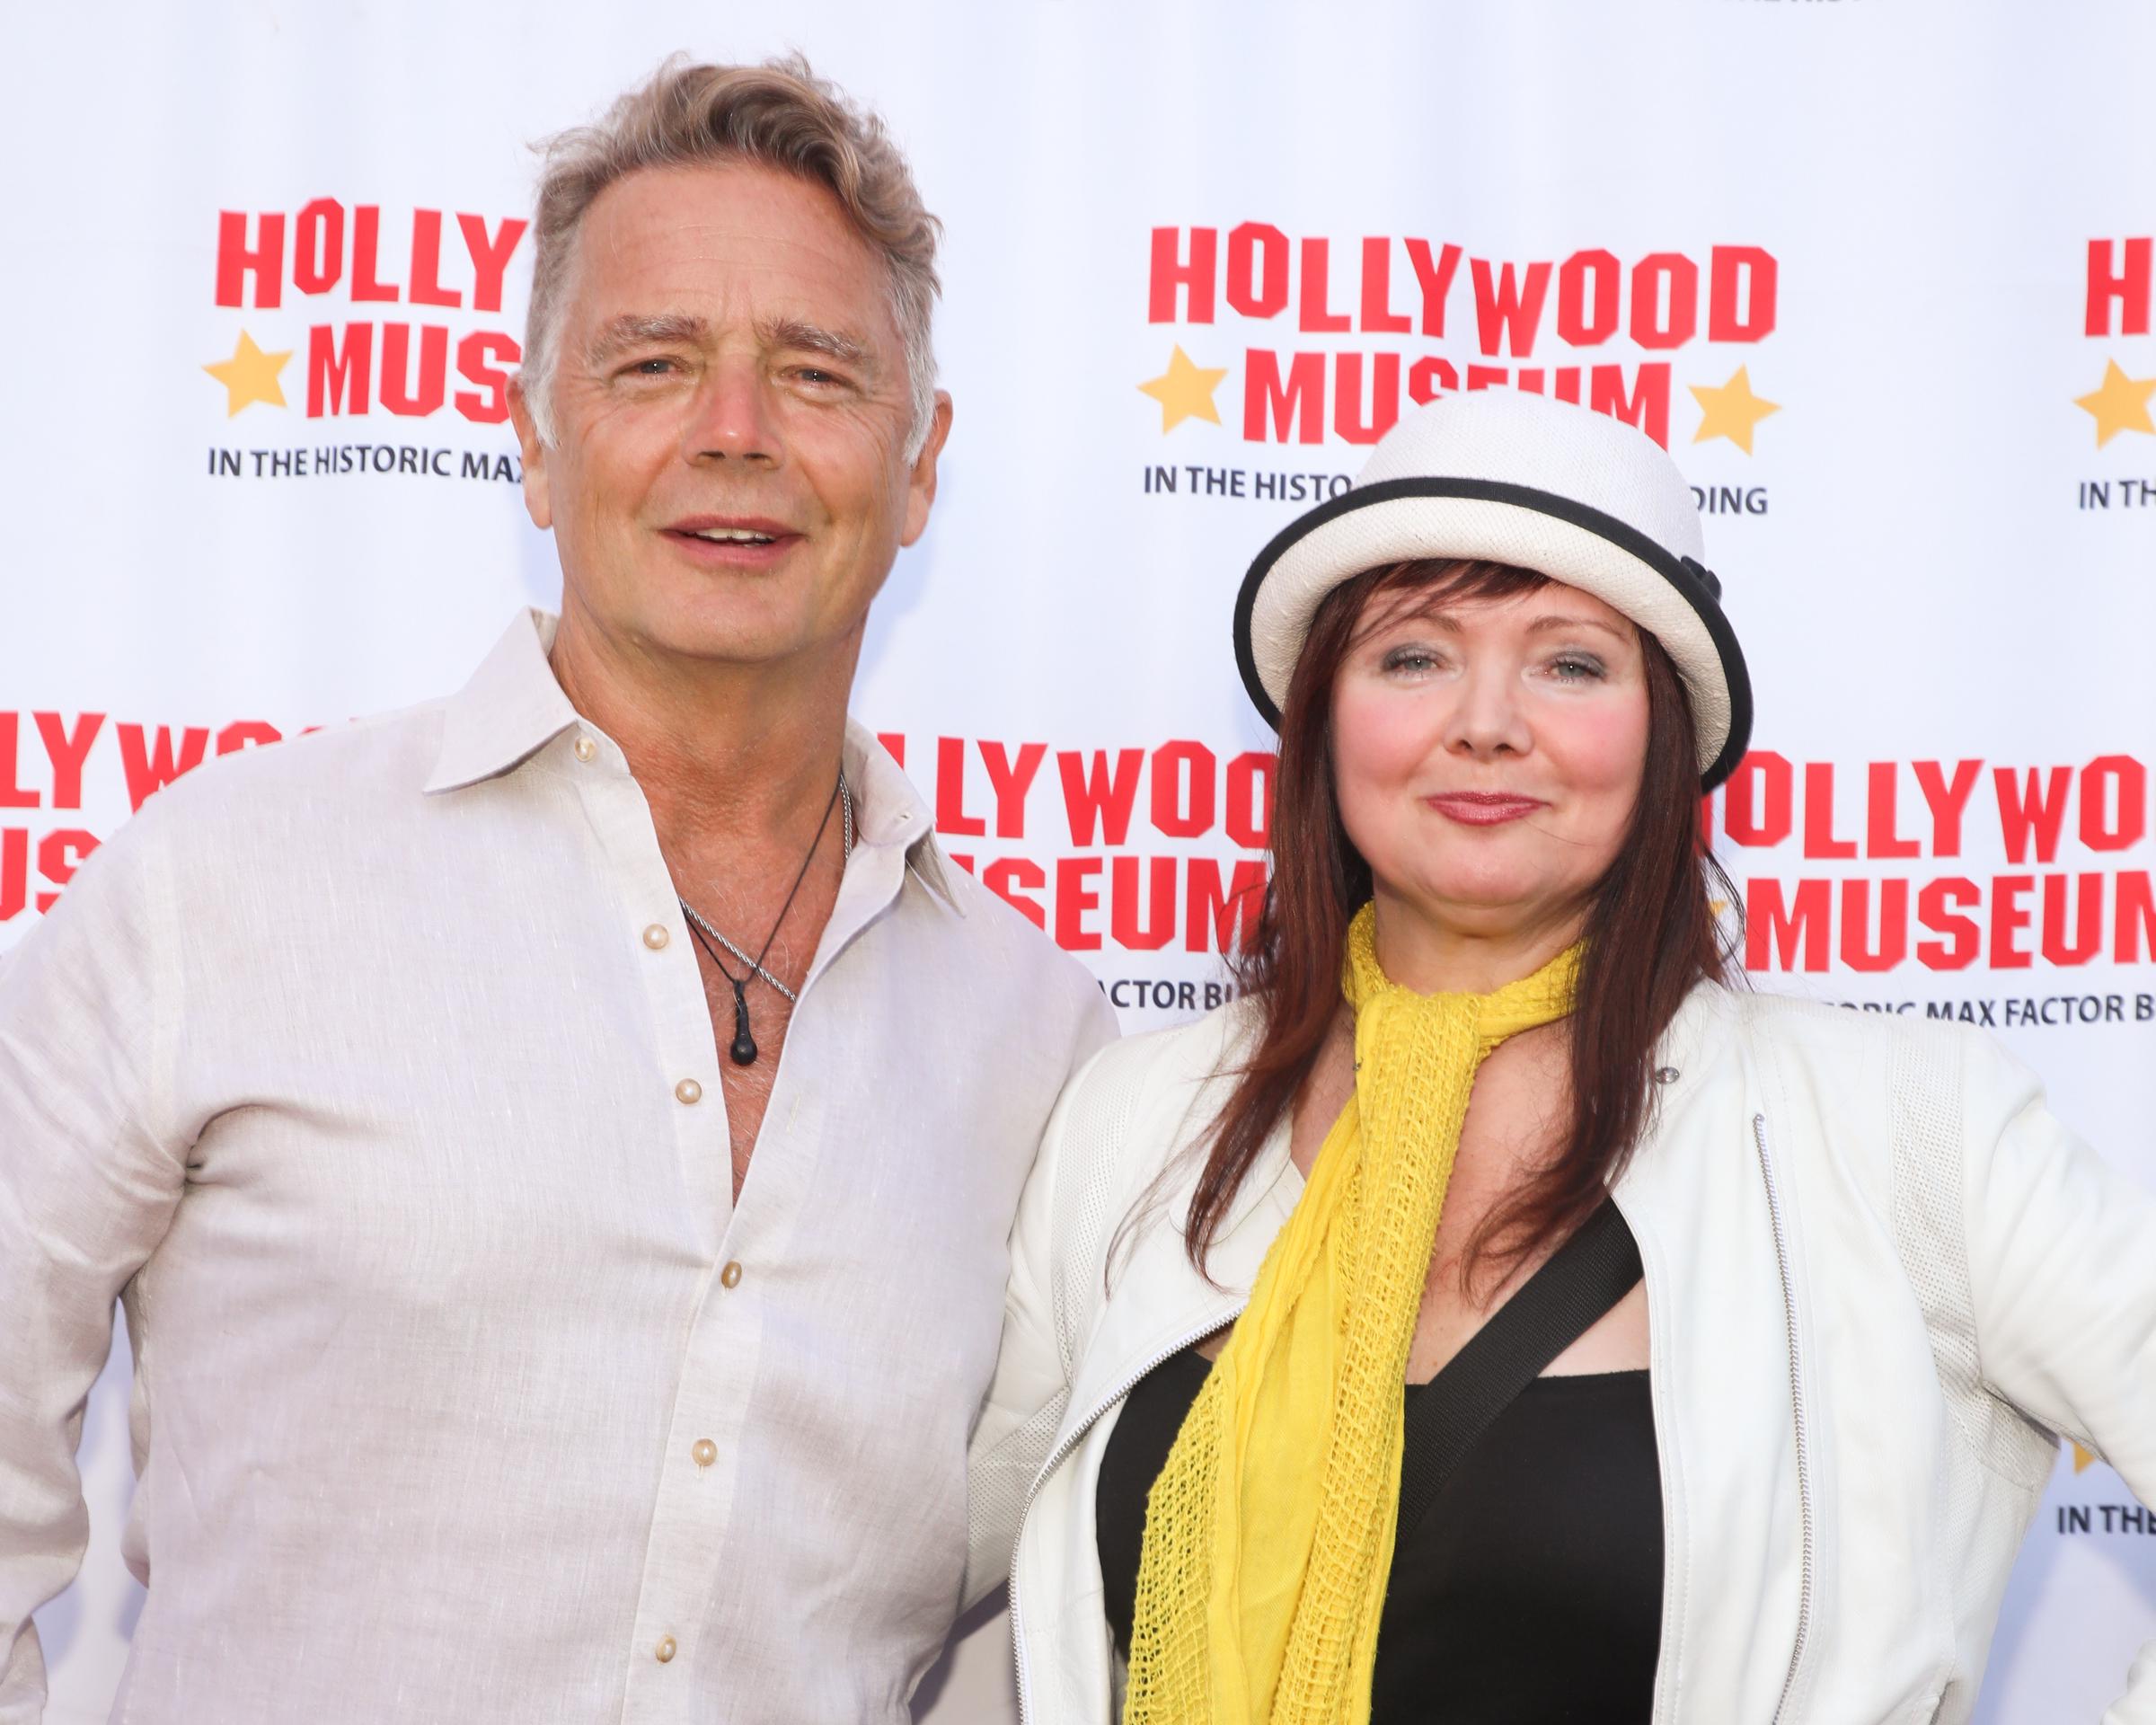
<point x="1877" y="272"/>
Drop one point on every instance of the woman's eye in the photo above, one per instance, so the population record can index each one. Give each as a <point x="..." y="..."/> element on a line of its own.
<point x="1578" y="667"/>
<point x="1411" y="658"/>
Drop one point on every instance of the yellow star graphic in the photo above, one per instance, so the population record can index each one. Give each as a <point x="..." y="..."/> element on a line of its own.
<point x="2082" y="1457"/>
<point x="2122" y="404"/>
<point x="1185" y="391"/>
<point x="250" y="376"/>
<point x="1732" y="411"/>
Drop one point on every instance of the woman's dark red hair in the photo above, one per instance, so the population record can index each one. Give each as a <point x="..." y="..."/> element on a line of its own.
<point x="1650" y="930"/>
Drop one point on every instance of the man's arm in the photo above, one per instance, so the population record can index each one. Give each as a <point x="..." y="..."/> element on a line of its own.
<point x="88" y="1182"/>
<point x="2063" y="1272"/>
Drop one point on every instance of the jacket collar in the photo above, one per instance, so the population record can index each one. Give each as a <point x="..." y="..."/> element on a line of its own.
<point x="512" y="708"/>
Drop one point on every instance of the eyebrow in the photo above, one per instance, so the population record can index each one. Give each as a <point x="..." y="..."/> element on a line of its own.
<point x="799" y="335"/>
<point x="1544" y="625"/>
<point x="1437" y="617"/>
<point x="636" y="329"/>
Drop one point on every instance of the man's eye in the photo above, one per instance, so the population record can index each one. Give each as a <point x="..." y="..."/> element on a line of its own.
<point x="658" y="367"/>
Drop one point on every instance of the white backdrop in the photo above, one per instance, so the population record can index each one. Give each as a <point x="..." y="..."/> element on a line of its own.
<point x="1877" y="272"/>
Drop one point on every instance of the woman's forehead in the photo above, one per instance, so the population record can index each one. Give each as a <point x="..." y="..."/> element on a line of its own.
<point x="1467" y="604"/>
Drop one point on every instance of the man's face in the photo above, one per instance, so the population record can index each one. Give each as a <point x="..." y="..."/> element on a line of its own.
<point x="730" y="407"/>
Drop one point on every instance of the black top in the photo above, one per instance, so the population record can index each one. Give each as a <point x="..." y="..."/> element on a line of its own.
<point x="1531" y="1591"/>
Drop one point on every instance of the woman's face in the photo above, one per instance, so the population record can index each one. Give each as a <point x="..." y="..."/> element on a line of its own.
<point x="1487" y="754"/>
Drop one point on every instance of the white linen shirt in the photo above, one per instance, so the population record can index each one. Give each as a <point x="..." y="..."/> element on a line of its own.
<point x="374" y="1068"/>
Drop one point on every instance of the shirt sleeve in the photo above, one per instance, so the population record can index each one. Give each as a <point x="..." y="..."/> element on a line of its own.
<point x="2063" y="1272"/>
<point x="88" y="1182"/>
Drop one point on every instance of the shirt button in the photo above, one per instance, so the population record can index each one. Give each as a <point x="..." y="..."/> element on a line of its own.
<point x="705" y="1452"/>
<point x="665" y="1650"/>
<point x="656" y="936"/>
<point x="586" y="751"/>
<point x="730" y="1277"/>
<point x="688" y="1090"/>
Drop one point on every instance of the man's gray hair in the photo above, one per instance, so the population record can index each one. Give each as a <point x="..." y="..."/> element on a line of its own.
<point x="780" y="115"/>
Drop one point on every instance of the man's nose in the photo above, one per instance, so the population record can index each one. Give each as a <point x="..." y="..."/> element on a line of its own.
<point x="730" y="417"/>
<point x="1489" y="718"/>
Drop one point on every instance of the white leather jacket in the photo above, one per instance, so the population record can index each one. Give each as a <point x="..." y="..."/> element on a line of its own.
<point x="1880" y="1276"/>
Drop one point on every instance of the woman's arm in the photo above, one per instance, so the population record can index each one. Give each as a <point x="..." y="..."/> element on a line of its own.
<point x="2062" y="1276"/>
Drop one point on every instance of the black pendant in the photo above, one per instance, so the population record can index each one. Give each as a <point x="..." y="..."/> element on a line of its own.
<point x="744" y="1051"/>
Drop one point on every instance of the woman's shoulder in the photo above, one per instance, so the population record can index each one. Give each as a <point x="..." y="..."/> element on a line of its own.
<point x="1129" y="1087"/>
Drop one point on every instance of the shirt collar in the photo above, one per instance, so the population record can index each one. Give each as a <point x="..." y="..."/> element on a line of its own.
<point x="513" y="707"/>
<point x="509" y="710"/>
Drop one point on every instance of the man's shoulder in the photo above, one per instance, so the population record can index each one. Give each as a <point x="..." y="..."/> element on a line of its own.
<point x="360" y="767"/>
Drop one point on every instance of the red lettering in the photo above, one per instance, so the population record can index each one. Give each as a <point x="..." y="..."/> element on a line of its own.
<point x="59" y="854"/>
<point x="1255" y="288"/>
<point x="1652" y="326"/>
<point x="1347" y="416"/>
<point x="2106" y="779"/>
<point x="1937" y="909"/>
<point x="1882" y="792"/>
<point x="2136" y="917"/>
<point x="338" y="381"/>
<point x="1377" y="290"/>
<point x="1775" y="929"/>
<point x="893" y="745"/>
<point x="247" y="733"/>
<point x="1507" y="309"/>
<point x="490" y="256"/>
<point x="68" y="750"/>
<point x="2125" y="285"/>
<point x="488" y="405"/>
<point x="1758" y="806"/>
<point x="15" y="872"/>
<point x="1316" y="315"/>
<point x="1746" y="273"/>
<point x="2027" y="811"/>
<point x="1947" y="800"/>
<point x="1074" y="898"/>
<point x="2088" y="936"/>
<point x="1586" y="297"/>
<point x="426" y="287"/>
<point x="1435" y="279"/>
<point x="950" y="791"/>
<point x="1820" y="838"/>
<point x="1429" y="376"/>
<point x="433" y="370"/>
<point x="1195" y="277"/>
<point x="2009" y="915"/>
<point x="150" y="768"/>
<point x="1159" y="925"/>
<point x="264" y="259"/>
<point x="1248" y="817"/>
<point x="1646" y="407"/>
<point x="1209" y="910"/>
<point x="1174" y="813"/>
<point x="1104" y="795"/>
<point x="1858" y="952"/>
<point x="1012" y="878"/>
<point x="318" y="247"/>
<point x="1297" y="402"/>
<point x="1009" y="783"/>
<point x="366" y="244"/>
<point x="12" y="793"/>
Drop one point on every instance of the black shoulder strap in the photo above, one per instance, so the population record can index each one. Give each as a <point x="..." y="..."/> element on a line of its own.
<point x="1597" y="1266"/>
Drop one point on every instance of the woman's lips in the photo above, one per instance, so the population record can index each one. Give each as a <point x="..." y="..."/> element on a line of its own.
<point x="1484" y="808"/>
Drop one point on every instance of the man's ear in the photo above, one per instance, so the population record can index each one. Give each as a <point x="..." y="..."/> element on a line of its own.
<point x="538" y="502"/>
<point x="920" y="483"/>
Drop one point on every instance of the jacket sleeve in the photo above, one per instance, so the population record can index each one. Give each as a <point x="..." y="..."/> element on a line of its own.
<point x="2063" y="1273"/>
<point x="1031" y="1386"/>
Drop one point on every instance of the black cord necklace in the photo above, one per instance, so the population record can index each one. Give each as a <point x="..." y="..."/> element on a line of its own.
<point x="742" y="1050"/>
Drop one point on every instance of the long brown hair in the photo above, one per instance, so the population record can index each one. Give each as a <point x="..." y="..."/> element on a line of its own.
<point x="1651" y="931"/>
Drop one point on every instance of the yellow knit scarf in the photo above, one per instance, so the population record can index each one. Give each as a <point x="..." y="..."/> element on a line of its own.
<point x="1268" y="1534"/>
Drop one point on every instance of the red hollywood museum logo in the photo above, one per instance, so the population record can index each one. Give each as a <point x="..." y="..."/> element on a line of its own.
<point x="1360" y="329"/>
<point x="445" y="274"/>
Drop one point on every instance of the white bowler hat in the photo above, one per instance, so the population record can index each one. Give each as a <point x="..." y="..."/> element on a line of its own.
<point x="1521" y="479"/>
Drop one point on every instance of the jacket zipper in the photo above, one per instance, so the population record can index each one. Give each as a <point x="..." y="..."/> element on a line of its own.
<point x="1055" y="1459"/>
<point x="1804" y="1447"/>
